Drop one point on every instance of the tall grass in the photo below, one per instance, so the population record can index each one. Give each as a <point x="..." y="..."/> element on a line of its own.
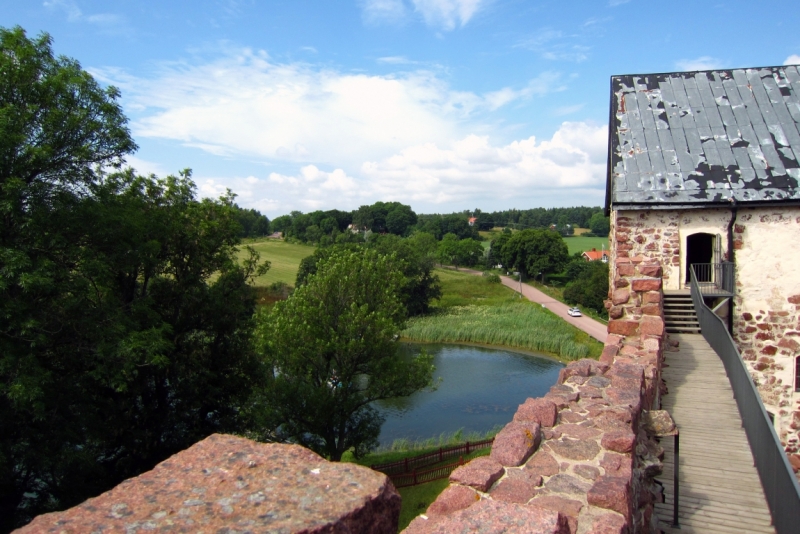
<point x="519" y="325"/>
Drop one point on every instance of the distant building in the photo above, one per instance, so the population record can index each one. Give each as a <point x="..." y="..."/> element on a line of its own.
<point x="472" y="221"/>
<point x="704" y="170"/>
<point x="595" y="255"/>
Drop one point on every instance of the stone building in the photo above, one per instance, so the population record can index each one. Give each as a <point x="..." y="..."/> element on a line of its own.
<point x="704" y="168"/>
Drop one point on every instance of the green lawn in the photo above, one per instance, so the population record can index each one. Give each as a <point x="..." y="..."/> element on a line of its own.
<point x="581" y="244"/>
<point x="462" y="289"/>
<point x="284" y="257"/>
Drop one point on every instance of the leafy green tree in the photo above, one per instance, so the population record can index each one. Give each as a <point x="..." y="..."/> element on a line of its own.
<point x="125" y="330"/>
<point x="400" y="220"/>
<point x="416" y="262"/>
<point x="252" y="222"/>
<point x="332" y="347"/>
<point x="599" y="224"/>
<point x="496" y="254"/>
<point x="590" y="287"/>
<point x="447" y="252"/>
<point x="470" y="252"/>
<point x="536" y="251"/>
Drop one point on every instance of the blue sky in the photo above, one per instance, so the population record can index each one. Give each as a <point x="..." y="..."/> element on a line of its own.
<point x="445" y="105"/>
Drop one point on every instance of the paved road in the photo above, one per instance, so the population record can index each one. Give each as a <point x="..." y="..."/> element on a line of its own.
<point x="596" y="329"/>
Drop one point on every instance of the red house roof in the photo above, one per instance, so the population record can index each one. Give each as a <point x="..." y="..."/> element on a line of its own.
<point x="594" y="254"/>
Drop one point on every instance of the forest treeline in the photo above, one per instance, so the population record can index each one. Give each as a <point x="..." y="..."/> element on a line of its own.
<point x="337" y="226"/>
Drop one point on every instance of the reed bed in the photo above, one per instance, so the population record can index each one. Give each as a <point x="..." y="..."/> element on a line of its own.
<point x="518" y="325"/>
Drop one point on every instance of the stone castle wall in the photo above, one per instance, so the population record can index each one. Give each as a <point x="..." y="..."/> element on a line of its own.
<point x="577" y="459"/>
<point x="767" y="303"/>
<point x="230" y="484"/>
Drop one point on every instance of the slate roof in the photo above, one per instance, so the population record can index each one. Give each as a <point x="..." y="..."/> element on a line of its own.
<point x="694" y="139"/>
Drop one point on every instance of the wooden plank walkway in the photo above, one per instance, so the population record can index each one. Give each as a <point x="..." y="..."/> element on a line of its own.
<point x="719" y="487"/>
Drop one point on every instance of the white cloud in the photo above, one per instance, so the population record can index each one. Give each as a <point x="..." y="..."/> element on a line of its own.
<point x="74" y="13"/>
<point x="554" y="45"/>
<point x="794" y="59"/>
<point x="395" y="60"/>
<point x="566" y="169"/>
<point x="445" y="14"/>
<point x="145" y="167"/>
<point x="243" y="104"/>
<point x="377" y="11"/>
<point x="700" y="63"/>
<point x="473" y="168"/>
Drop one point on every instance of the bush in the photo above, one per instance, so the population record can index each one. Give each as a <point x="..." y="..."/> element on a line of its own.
<point x="491" y="278"/>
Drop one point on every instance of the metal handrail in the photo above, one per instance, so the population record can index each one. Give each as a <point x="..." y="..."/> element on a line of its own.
<point x="714" y="278"/>
<point x="777" y="478"/>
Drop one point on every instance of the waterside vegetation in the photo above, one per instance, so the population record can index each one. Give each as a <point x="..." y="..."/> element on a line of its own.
<point x="473" y="309"/>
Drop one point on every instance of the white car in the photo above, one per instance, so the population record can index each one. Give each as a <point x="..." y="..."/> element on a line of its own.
<point x="574" y="312"/>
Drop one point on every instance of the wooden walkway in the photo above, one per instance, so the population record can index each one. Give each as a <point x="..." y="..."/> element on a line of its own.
<point x="719" y="487"/>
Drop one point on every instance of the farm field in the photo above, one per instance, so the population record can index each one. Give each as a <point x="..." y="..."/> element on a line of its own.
<point x="581" y="244"/>
<point x="284" y="257"/>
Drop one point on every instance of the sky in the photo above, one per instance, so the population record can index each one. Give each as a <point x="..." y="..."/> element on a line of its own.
<point x="445" y="105"/>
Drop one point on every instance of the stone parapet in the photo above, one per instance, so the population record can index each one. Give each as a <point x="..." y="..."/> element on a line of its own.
<point x="230" y="484"/>
<point x="577" y="459"/>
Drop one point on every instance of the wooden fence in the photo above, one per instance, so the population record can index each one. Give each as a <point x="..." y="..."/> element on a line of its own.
<point x="415" y="477"/>
<point x="409" y="465"/>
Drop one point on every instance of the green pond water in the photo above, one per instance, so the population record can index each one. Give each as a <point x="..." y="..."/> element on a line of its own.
<point x="480" y="389"/>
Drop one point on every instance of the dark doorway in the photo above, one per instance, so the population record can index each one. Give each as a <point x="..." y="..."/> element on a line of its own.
<point x="699" y="249"/>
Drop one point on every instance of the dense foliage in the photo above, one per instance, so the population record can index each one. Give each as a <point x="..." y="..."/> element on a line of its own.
<point x="459" y="252"/>
<point x="588" y="284"/>
<point x="414" y="258"/>
<point x="332" y="347"/>
<point x="124" y="315"/>
<point x="531" y="252"/>
<point x="252" y="222"/>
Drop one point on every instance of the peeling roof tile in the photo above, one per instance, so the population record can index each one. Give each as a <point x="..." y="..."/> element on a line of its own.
<point x="706" y="137"/>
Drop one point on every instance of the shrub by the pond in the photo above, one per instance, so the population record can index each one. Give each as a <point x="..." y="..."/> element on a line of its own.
<point x="518" y="325"/>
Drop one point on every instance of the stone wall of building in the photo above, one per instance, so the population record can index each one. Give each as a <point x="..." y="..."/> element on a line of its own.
<point x="767" y="303"/>
<point x="767" y="313"/>
<point x="577" y="459"/>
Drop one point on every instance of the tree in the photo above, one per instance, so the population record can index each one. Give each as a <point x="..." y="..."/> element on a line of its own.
<point x="469" y="252"/>
<point x="414" y="260"/>
<point x="447" y="251"/>
<point x="590" y="287"/>
<point x="125" y="330"/>
<point x="252" y="222"/>
<point x="332" y="348"/>
<point x="400" y="220"/>
<point x="599" y="224"/>
<point x="536" y="251"/>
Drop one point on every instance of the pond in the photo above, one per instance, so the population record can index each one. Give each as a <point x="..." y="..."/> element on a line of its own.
<point x="480" y="389"/>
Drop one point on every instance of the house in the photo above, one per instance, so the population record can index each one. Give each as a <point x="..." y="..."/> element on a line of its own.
<point x="472" y="221"/>
<point x="595" y="255"/>
<point x="704" y="170"/>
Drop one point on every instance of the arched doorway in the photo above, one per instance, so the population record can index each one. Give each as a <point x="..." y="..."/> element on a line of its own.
<point x="699" y="249"/>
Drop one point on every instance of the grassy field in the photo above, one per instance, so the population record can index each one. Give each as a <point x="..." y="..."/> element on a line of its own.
<point x="473" y="310"/>
<point x="462" y="289"/>
<point x="580" y="244"/>
<point x="284" y="257"/>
